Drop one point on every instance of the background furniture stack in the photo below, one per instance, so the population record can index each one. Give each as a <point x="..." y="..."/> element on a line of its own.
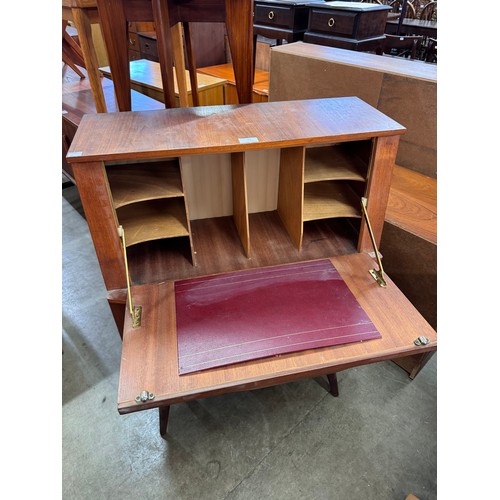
<point x="407" y="91"/>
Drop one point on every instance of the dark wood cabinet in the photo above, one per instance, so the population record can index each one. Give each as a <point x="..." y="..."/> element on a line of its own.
<point x="347" y="25"/>
<point x="281" y="19"/>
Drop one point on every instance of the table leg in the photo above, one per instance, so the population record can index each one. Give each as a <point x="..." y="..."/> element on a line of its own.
<point x="83" y="27"/>
<point x="164" y="412"/>
<point x="180" y="64"/>
<point x="114" y="31"/>
<point x="239" y="26"/>
<point x="334" y="387"/>
<point x="193" y="76"/>
<point x="165" y="50"/>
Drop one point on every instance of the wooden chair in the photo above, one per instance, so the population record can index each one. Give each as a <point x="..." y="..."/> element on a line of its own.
<point x="71" y="52"/>
<point x="410" y="12"/>
<point x="401" y="46"/>
<point x="429" y="11"/>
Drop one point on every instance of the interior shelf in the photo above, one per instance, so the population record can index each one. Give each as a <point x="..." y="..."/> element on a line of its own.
<point x="144" y="181"/>
<point x="333" y="163"/>
<point x="153" y="220"/>
<point x="330" y="199"/>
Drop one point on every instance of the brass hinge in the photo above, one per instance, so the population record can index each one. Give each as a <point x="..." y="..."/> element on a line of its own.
<point x="135" y="311"/>
<point x="144" y="396"/>
<point x="378" y="274"/>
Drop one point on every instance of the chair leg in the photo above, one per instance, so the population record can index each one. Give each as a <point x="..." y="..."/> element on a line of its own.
<point x="164" y="412"/>
<point x="334" y="386"/>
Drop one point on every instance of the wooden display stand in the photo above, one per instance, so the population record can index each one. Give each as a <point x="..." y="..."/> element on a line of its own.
<point x="332" y="152"/>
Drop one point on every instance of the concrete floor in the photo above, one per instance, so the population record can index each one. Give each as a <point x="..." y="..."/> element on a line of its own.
<point x="294" y="441"/>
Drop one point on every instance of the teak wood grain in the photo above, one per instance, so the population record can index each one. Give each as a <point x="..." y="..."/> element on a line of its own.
<point x="236" y="129"/>
<point x="219" y="129"/>
<point x="377" y="190"/>
<point x="291" y="192"/>
<point x="149" y="356"/>
<point x="412" y="203"/>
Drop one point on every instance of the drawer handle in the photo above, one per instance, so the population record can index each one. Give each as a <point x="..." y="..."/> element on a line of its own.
<point x="271" y="15"/>
<point x="146" y="46"/>
<point x="331" y="22"/>
<point x="131" y="41"/>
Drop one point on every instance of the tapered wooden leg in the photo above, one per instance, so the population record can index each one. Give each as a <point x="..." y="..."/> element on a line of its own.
<point x="193" y="76"/>
<point x="83" y="27"/>
<point x="164" y="412"/>
<point x="165" y="50"/>
<point x="334" y="387"/>
<point x="114" y="31"/>
<point x="180" y="64"/>
<point x="239" y="26"/>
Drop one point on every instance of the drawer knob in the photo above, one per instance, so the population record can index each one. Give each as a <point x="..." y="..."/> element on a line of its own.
<point x="271" y="15"/>
<point x="331" y="22"/>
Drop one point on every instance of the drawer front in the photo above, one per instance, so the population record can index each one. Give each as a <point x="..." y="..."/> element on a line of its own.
<point x="148" y="47"/>
<point x="333" y="22"/>
<point x="271" y="15"/>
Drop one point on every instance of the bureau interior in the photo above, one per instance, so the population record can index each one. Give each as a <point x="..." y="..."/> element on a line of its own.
<point x="314" y="211"/>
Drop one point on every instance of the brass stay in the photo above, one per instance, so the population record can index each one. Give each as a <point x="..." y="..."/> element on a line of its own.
<point x="135" y="311"/>
<point x="378" y="275"/>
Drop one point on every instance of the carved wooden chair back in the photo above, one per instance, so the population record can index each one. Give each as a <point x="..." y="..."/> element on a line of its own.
<point x="429" y="11"/>
<point x="410" y="12"/>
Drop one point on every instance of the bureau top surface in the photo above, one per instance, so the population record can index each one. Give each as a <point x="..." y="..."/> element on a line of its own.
<point x="225" y="129"/>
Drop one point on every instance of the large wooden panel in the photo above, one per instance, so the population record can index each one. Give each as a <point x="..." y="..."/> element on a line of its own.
<point x="412" y="264"/>
<point x="294" y="76"/>
<point x="413" y="103"/>
<point x="405" y="90"/>
<point x="412" y="203"/>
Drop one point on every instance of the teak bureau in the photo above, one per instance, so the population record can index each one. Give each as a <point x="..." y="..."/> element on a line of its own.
<point x="129" y="172"/>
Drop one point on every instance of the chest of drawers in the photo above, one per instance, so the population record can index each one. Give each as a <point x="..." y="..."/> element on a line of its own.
<point x="281" y="19"/>
<point x="347" y="25"/>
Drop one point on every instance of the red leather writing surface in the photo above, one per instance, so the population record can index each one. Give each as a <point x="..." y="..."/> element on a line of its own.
<point x="252" y="314"/>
